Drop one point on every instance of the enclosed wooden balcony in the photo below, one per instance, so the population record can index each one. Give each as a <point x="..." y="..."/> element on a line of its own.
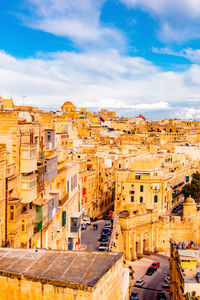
<point x="14" y="212"/>
<point x="11" y="170"/>
<point x="28" y="188"/>
<point x="27" y="226"/>
<point x="28" y="161"/>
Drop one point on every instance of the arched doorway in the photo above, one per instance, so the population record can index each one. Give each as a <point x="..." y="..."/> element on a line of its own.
<point x="145" y="242"/>
<point x="138" y="245"/>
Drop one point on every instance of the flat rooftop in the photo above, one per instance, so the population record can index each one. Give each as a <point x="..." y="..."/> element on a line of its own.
<point x="62" y="268"/>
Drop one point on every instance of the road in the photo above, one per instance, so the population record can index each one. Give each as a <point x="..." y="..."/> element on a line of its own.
<point x="154" y="282"/>
<point x="89" y="237"/>
<point x="89" y="241"/>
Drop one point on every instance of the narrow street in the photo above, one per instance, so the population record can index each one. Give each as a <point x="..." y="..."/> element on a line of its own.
<point x="153" y="283"/>
<point x="89" y="237"/>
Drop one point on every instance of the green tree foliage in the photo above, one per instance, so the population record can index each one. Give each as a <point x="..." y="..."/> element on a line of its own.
<point x="192" y="189"/>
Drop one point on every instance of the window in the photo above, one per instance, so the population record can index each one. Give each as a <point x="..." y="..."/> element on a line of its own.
<point x="141" y="188"/>
<point x="63" y="218"/>
<point x="141" y="199"/>
<point x="74" y="180"/>
<point x="23" y="226"/>
<point x="155" y="198"/>
<point x="132" y="198"/>
<point x="187" y="178"/>
<point x="137" y="177"/>
<point x="71" y="184"/>
<point x="11" y="215"/>
<point x="49" y="137"/>
<point x="119" y="166"/>
<point x="74" y="222"/>
<point x="24" y="185"/>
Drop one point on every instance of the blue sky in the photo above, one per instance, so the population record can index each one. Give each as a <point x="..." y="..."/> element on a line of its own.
<point x="136" y="56"/>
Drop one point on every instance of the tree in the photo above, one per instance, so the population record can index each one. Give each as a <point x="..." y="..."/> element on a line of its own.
<point x="187" y="190"/>
<point x="192" y="189"/>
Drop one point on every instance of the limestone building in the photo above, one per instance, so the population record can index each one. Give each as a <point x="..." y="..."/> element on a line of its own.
<point x="44" y="274"/>
<point x="184" y="266"/>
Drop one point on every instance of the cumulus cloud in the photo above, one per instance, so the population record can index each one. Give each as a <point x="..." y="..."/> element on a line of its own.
<point x="98" y="79"/>
<point x="77" y="20"/>
<point x="187" y="114"/>
<point x="179" y="20"/>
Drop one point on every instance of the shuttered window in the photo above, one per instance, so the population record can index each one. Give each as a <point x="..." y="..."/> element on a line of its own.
<point x="63" y="218"/>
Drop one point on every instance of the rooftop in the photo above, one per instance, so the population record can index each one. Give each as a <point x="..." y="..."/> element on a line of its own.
<point x="62" y="268"/>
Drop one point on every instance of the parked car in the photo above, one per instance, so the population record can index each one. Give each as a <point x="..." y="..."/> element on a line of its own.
<point x="108" y="225"/>
<point x="134" y="296"/>
<point x="103" y="238"/>
<point x="161" y="296"/>
<point x="155" y="265"/>
<point x="86" y="221"/>
<point x="103" y="247"/>
<point x="150" y="271"/>
<point x="106" y="231"/>
<point x="104" y="244"/>
<point x="165" y="285"/>
<point x="83" y="226"/>
<point x="139" y="282"/>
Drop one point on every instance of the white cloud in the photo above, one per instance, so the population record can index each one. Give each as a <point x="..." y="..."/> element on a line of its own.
<point x="117" y="103"/>
<point x="187" y="114"/>
<point x="179" y="20"/>
<point x="191" y="54"/>
<point x="78" y="20"/>
<point x="97" y="79"/>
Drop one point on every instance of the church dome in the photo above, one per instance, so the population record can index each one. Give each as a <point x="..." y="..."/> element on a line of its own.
<point x="190" y="200"/>
<point x="69" y="104"/>
<point x="68" y="107"/>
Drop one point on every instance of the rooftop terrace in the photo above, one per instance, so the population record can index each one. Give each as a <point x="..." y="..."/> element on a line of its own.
<point x="62" y="268"/>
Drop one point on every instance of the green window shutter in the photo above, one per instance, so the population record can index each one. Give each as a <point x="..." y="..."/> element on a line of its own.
<point x="63" y="218"/>
<point x="141" y="188"/>
<point x="132" y="198"/>
<point x="155" y="198"/>
<point x="141" y="199"/>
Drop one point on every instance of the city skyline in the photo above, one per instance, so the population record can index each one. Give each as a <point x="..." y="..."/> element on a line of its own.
<point x="134" y="56"/>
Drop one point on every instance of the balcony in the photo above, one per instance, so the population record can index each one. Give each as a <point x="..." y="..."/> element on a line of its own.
<point x="11" y="170"/>
<point x="63" y="200"/>
<point x="75" y="221"/>
<point x="43" y="213"/>
<point x="28" y="161"/>
<point x="28" y="188"/>
<point x="156" y="190"/>
<point x="84" y="191"/>
<point x="52" y="206"/>
<point x="27" y="226"/>
<point x="51" y="168"/>
<point x="13" y="216"/>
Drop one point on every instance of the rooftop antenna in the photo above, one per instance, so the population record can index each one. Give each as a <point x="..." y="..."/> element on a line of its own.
<point x="23" y="97"/>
